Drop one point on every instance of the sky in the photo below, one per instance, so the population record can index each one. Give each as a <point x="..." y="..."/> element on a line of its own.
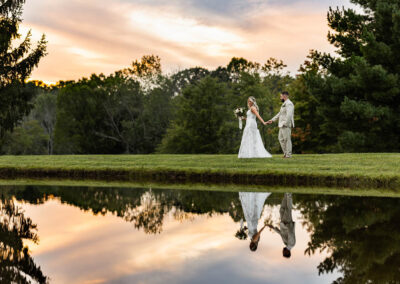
<point x="102" y="36"/>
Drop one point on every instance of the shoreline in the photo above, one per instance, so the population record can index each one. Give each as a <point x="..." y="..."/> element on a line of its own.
<point x="204" y="177"/>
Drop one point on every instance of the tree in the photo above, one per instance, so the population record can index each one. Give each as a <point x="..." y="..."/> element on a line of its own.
<point x="45" y="111"/>
<point x="307" y="120"/>
<point x="26" y="139"/>
<point x="111" y="114"/>
<point x="147" y="71"/>
<point x="358" y="93"/>
<point x="157" y="113"/>
<point x="184" y="78"/>
<point x="201" y="112"/>
<point x="16" y="64"/>
<point x="99" y="115"/>
<point x="241" y="65"/>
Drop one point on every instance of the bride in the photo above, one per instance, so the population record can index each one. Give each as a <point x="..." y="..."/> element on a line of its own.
<point x="252" y="145"/>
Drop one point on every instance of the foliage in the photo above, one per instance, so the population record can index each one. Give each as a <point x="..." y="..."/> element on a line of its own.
<point x="115" y="113"/>
<point x="44" y="111"/>
<point x="16" y="64"/>
<point x="199" y="124"/>
<point x="29" y="138"/>
<point x="358" y="93"/>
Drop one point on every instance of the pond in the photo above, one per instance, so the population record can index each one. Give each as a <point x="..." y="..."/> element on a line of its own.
<point x="143" y="235"/>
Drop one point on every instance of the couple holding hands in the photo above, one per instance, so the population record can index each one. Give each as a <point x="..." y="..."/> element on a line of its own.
<point x="252" y="145"/>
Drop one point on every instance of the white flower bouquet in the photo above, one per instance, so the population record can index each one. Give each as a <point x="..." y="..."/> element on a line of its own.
<point x="239" y="113"/>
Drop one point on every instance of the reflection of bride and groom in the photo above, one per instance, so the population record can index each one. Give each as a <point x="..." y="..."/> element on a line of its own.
<point x="253" y="205"/>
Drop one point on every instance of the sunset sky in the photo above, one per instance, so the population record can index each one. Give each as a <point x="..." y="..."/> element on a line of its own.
<point x="102" y="36"/>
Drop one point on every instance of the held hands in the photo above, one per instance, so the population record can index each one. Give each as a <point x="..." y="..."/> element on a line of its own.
<point x="268" y="223"/>
<point x="268" y="122"/>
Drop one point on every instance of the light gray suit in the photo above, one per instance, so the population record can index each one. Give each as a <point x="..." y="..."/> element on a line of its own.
<point x="287" y="226"/>
<point x="286" y="122"/>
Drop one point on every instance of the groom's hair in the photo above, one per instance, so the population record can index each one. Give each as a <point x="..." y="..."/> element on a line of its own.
<point x="285" y="93"/>
<point x="253" y="246"/>
<point x="286" y="252"/>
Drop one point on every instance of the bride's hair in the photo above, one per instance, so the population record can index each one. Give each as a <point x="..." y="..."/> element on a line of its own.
<point x="253" y="100"/>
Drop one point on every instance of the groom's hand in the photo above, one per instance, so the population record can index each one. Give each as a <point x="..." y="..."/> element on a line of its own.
<point x="269" y="122"/>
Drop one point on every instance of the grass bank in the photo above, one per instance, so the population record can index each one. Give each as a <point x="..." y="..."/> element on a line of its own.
<point x="331" y="170"/>
<point x="132" y="185"/>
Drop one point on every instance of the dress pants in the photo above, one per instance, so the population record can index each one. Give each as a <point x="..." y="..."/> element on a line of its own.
<point x="285" y="139"/>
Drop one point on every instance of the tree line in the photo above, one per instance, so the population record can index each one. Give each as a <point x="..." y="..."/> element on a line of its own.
<point x="346" y="102"/>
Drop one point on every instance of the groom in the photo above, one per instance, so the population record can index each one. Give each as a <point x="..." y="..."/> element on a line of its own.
<point x="286" y="122"/>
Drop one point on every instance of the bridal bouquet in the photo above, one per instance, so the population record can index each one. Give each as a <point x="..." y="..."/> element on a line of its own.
<point x="239" y="113"/>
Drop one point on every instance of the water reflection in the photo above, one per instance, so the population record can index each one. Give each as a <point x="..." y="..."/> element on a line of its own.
<point x="362" y="236"/>
<point x="16" y="265"/>
<point x="253" y="206"/>
<point x="145" y="235"/>
<point x="286" y="226"/>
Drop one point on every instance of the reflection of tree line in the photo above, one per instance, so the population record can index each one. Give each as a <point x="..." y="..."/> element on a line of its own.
<point x="361" y="235"/>
<point x="16" y="265"/>
<point x="145" y="208"/>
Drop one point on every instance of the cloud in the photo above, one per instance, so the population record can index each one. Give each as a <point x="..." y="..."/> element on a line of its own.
<point x="94" y="36"/>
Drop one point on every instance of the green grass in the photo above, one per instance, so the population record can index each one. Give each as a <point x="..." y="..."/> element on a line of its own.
<point x="203" y="187"/>
<point x="349" y="170"/>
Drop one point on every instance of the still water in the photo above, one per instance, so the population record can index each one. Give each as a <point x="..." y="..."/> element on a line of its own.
<point x="142" y="235"/>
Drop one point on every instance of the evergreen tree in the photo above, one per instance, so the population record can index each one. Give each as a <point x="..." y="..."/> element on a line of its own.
<point x="358" y="93"/>
<point x="16" y="64"/>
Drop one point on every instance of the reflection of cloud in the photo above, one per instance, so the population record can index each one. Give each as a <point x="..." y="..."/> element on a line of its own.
<point x="183" y="33"/>
<point x="77" y="247"/>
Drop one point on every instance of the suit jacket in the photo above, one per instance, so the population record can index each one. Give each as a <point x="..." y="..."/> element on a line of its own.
<point x="287" y="226"/>
<point x="285" y="115"/>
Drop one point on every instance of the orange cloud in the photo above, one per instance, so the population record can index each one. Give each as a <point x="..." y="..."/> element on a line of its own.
<point x="95" y="37"/>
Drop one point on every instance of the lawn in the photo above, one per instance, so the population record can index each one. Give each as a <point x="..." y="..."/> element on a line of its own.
<point x="376" y="168"/>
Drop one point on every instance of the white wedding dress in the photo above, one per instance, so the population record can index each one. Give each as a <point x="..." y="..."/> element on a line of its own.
<point x="253" y="205"/>
<point x="252" y="145"/>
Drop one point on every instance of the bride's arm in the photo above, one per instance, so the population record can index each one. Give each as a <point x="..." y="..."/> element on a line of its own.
<point x="254" y="110"/>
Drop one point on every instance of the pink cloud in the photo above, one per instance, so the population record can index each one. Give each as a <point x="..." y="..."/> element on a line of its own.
<point x="95" y="37"/>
